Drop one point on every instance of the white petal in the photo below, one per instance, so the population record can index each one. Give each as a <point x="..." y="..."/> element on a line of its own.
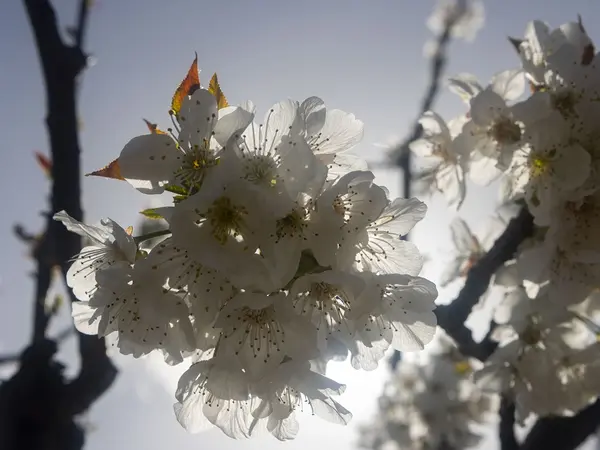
<point x="401" y="215"/>
<point x="85" y="317"/>
<point x="232" y="120"/>
<point x="509" y="84"/>
<point x="341" y="132"/>
<point x="189" y="415"/>
<point x="314" y="113"/>
<point x="331" y="411"/>
<point x="152" y="158"/>
<point x="284" y="429"/>
<point x="414" y="332"/>
<point x="99" y="235"/>
<point x="486" y="106"/>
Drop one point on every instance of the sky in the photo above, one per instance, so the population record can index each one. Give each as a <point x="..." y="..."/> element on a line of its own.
<point x="365" y="57"/>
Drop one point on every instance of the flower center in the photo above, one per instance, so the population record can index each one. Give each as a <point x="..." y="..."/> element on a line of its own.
<point x="504" y="131"/>
<point x="339" y="206"/>
<point x="538" y="166"/>
<point x="226" y="219"/>
<point x="195" y="165"/>
<point x="564" y="102"/>
<point x="291" y="225"/>
<point x="260" y="169"/>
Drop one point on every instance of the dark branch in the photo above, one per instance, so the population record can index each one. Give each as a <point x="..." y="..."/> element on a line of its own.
<point x="452" y="317"/>
<point x="61" y="66"/>
<point x="563" y="433"/>
<point x="506" y="428"/>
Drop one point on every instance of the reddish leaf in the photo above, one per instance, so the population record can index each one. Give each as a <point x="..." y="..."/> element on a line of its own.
<point x="153" y="127"/>
<point x="189" y="85"/>
<point x="110" y="171"/>
<point x="215" y="89"/>
<point x="44" y="163"/>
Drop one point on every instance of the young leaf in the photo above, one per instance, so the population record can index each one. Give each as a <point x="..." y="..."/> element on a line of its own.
<point x="215" y="89"/>
<point x="129" y="230"/>
<point x="110" y="171"/>
<point x="151" y="213"/>
<point x="44" y="163"/>
<point x="189" y="85"/>
<point x="176" y="189"/>
<point x="153" y="128"/>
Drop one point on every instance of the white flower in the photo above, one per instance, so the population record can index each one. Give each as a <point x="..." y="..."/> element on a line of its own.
<point x="143" y="315"/>
<point x="541" y="42"/>
<point x="325" y="299"/>
<point x="436" y="146"/>
<point x="287" y="389"/>
<point x="331" y="133"/>
<point x="149" y="162"/>
<point x="214" y="392"/>
<point x="468" y="247"/>
<point x="111" y="246"/>
<point x="394" y="310"/>
<point x="222" y="226"/>
<point x="344" y="208"/>
<point x="549" y="168"/>
<point x="378" y="248"/>
<point x="276" y="157"/>
<point x="261" y="330"/>
<point x="204" y="289"/>
<point x="493" y="132"/>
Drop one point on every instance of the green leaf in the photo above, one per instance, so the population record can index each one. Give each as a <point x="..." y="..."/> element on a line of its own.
<point x="176" y="189"/>
<point x="151" y="213"/>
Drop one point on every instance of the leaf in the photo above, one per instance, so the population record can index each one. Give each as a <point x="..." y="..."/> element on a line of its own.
<point x="129" y="230"/>
<point x="53" y="306"/>
<point x="176" y="189"/>
<point x="189" y="85"/>
<point x="215" y="89"/>
<point x="110" y="171"/>
<point x="44" y="163"/>
<point x="151" y="213"/>
<point x="153" y="127"/>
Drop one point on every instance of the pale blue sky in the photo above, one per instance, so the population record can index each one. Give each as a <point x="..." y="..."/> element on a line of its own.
<point x="363" y="56"/>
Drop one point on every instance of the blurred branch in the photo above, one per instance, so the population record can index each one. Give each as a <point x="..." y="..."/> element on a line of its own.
<point x="37" y="405"/>
<point x="438" y="63"/>
<point x="401" y="154"/>
<point x="452" y="317"/>
<point x="563" y="433"/>
<point x="8" y="359"/>
<point x="506" y="428"/>
<point x="61" y="66"/>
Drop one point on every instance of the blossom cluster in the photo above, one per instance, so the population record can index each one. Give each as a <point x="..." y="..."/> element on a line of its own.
<point x="533" y="130"/>
<point x="430" y="404"/>
<point x="281" y="254"/>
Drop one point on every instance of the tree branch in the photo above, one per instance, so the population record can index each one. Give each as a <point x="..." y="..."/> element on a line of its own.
<point x="438" y="63"/>
<point x="506" y="428"/>
<point x="452" y="317"/>
<point x="563" y="433"/>
<point x="61" y="65"/>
